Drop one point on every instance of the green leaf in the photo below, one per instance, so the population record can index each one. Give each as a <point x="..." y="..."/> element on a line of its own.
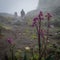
<point x="50" y="57"/>
<point x="25" y="56"/>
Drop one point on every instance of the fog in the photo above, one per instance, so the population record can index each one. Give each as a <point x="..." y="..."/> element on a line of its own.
<point x="48" y="4"/>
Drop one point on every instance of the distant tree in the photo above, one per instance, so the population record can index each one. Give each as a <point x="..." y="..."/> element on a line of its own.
<point x="22" y="13"/>
<point x="15" y="14"/>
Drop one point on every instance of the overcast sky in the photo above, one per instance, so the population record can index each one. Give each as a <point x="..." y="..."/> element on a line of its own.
<point x="11" y="6"/>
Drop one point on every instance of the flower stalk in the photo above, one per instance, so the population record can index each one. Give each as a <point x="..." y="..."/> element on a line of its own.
<point x="37" y="24"/>
<point x="48" y="26"/>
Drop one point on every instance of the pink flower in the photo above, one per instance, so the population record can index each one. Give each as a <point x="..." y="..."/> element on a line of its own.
<point x="41" y="16"/>
<point x="10" y="40"/>
<point x="35" y="19"/>
<point x="48" y="16"/>
<point x="41" y="13"/>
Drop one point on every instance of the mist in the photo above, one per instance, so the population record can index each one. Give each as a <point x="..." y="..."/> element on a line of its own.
<point x="48" y="4"/>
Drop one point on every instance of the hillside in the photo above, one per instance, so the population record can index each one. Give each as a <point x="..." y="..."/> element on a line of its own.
<point x="21" y="31"/>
